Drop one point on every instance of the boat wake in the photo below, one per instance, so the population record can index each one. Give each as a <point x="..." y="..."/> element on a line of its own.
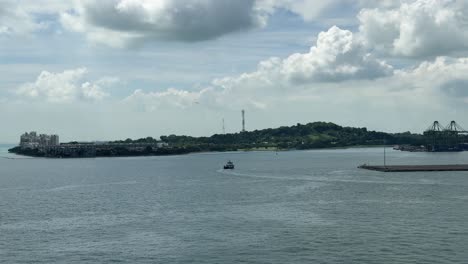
<point x="341" y="176"/>
<point x="70" y="187"/>
<point x="250" y="175"/>
<point x="15" y="158"/>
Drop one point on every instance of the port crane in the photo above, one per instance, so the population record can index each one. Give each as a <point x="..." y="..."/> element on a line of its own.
<point x="448" y="138"/>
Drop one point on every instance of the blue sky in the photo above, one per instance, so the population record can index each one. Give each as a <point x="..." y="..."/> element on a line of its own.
<point x="112" y="69"/>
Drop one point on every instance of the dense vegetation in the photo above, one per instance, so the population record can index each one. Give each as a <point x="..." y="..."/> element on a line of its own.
<point x="308" y="136"/>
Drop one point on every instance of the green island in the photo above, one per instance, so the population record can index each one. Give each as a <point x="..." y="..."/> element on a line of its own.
<point x="317" y="135"/>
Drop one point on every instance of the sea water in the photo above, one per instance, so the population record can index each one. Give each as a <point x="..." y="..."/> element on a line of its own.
<point x="286" y="207"/>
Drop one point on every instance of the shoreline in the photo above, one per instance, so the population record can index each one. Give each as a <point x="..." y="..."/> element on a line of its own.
<point x="14" y="151"/>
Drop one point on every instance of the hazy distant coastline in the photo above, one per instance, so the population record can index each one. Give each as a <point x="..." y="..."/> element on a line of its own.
<point x="317" y="135"/>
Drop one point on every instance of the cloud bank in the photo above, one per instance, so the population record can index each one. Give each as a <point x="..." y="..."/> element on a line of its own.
<point x="126" y="22"/>
<point x="419" y="28"/>
<point x="337" y="57"/>
<point x="64" y="87"/>
<point x="343" y="77"/>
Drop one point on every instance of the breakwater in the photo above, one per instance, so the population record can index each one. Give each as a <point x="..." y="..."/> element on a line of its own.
<point x="100" y="150"/>
<point x="415" y="168"/>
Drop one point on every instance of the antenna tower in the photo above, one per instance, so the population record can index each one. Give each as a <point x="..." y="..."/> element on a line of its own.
<point x="224" y="128"/>
<point x="243" y="120"/>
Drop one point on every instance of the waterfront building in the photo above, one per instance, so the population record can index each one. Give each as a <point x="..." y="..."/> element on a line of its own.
<point x="32" y="140"/>
<point x="54" y="140"/>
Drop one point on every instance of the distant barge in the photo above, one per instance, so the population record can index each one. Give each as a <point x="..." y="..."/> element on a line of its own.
<point x="415" y="168"/>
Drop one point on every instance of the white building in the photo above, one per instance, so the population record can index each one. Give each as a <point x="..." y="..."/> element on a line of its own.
<point x="32" y="140"/>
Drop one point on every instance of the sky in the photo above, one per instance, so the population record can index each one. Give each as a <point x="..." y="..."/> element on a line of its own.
<point x="115" y="69"/>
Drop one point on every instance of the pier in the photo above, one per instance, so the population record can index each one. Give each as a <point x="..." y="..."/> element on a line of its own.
<point x="415" y="168"/>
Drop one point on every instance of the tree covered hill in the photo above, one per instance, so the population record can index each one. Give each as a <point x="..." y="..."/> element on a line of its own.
<point x="308" y="136"/>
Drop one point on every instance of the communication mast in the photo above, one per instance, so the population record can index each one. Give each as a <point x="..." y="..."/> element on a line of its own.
<point x="224" y="128"/>
<point x="243" y="120"/>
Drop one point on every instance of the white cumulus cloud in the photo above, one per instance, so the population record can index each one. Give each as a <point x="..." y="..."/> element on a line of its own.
<point x="61" y="87"/>
<point x="337" y="57"/>
<point x="417" y="28"/>
<point x="444" y="74"/>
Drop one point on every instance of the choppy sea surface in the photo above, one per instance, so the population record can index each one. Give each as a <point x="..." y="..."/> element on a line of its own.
<point x="287" y="207"/>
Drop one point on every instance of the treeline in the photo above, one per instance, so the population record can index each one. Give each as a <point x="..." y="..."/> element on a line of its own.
<point x="308" y="136"/>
